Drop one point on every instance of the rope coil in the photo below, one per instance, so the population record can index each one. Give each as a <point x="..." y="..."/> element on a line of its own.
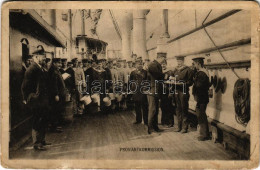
<point x="241" y="96"/>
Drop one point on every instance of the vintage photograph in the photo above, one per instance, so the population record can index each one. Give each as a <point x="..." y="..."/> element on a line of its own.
<point x="130" y="84"/>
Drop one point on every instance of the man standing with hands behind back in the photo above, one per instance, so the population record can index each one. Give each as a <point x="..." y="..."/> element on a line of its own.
<point x="155" y="75"/>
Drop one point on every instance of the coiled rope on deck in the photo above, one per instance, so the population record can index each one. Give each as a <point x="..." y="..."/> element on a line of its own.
<point x="241" y="96"/>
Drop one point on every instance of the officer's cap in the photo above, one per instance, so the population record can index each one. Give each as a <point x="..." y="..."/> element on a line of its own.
<point x="138" y="59"/>
<point x="38" y="52"/>
<point x="64" y="60"/>
<point x="99" y="61"/>
<point x="56" y="60"/>
<point x="119" y="60"/>
<point x="198" y="59"/>
<point x="74" y="60"/>
<point x="84" y="60"/>
<point x="180" y="57"/>
<point x="29" y="57"/>
<point x="161" y="54"/>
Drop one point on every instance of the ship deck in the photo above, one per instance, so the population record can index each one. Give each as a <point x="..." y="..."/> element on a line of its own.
<point x="102" y="137"/>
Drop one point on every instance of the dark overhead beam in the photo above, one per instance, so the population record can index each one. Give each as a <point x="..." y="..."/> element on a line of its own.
<point x="205" y="25"/>
<point x="224" y="46"/>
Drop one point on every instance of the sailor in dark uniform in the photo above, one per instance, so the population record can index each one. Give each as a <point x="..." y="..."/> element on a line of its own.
<point x="58" y="94"/>
<point x="184" y="79"/>
<point x="200" y="92"/>
<point x="35" y="92"/>
<point x="89" y="74"/>
<point x="63" y="65"/>
<point x="85" y="64"/>
<point x="155" y="74"/>
<point x="140" y="98"/>
<point x="165" y="103"/>
<point x="70" y="81"/>
<point x="108" y="76"/>
<point x="99" y="74"/>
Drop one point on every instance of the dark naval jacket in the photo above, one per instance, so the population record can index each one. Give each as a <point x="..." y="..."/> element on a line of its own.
<point x="57" y="83"/>
<point x="184" y="74"/>
<point x="155" y="74"/>
<point x="138" y="77"/>
<point x="201" y="87"/>
<point x="35" y="86"/>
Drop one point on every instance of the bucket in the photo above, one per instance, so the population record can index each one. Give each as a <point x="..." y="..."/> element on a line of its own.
<point x="107" y="101"/>
<point x="111" y="96"/>
<point x="86" y="99"/>
<point x="95" y="98"/>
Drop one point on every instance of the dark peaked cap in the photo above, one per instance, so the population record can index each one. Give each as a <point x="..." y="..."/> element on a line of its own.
<point x="198" y="59"/>
<point x="55" y="60"/>
<point x="74" y="60"/>
<point x="180" y="57"/>
<point x="63" y="60"/>
<point x="38" y="52"/>
<point x="84" y="60"/>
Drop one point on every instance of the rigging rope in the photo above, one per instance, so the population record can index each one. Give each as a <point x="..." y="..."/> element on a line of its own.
<point x="241" y="93"/>
<point x="217" y="46"/>
<point x="115" y="24"/>
<point x="241" y="96"/>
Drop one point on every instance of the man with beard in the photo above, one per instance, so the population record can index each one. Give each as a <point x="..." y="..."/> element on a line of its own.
<point x="35" y="92"/>
<point x="58" y="94"/>
<point x="155" y="75"/>
<point x="140" y="98"/>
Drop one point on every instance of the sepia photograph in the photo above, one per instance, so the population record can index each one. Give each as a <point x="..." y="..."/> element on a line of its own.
<point x="135" y="83"/>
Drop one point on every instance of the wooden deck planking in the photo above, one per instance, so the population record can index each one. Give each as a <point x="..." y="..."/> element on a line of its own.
<point x="101" y="137"/>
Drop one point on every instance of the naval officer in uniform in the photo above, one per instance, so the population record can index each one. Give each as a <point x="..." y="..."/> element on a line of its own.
<point x="155" y="74"/>
<point x="140" y="99"/>
<point x="35" y="92"/>
<point x="201" y="96"/>
<point x="58" y="93"/>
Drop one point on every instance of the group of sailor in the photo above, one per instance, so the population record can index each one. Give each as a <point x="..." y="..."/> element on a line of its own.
<point x="49" y="83"/>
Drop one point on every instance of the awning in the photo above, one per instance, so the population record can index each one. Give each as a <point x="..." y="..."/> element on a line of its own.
<point x="92" y="43"/>
<point x="30" y="22"/>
